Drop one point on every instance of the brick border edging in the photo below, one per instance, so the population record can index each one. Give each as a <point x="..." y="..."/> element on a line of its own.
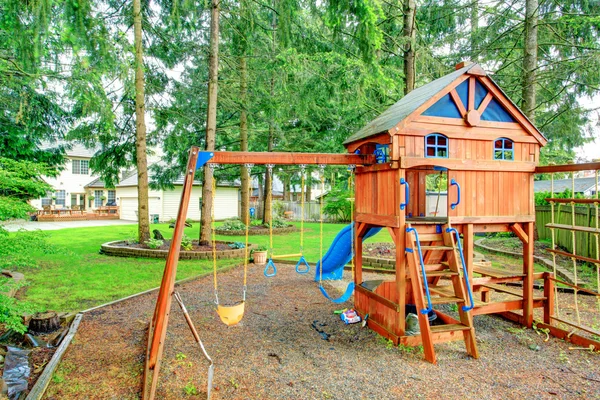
<point x="112" y="249"/>
<point x="257" y="232"/>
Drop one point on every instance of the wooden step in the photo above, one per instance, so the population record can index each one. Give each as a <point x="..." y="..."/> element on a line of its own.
<point x="435" y="267"/>
<point x="495" y="272"/>
<point x="430" y="237"/>
<point x="446" y="300"/>
<point x="573" y="228"/>
<point x="432" y="274"/>
<point x="436" y="248"/>
<point x="449" y="328"/>
<point x="509" y="290"/>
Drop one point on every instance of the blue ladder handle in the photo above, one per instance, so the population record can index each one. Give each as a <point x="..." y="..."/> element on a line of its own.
<point x="453" y="205"/>
<point x="465" y="272"/>
<point x="429" y="307"/>
<point x="406" y="193"/>
<point x="302" y="261"/>
<point x="272" y="265"/>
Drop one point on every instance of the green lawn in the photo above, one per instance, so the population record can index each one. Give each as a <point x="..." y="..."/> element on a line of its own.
<point x="78" y="277"/>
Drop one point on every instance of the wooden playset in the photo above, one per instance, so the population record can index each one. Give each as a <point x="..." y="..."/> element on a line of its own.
<point x="460" y="129"/>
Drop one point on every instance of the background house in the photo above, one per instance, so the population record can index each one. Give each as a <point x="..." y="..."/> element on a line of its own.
<point x="164" y="204"/>
<point x="584" y="186"/>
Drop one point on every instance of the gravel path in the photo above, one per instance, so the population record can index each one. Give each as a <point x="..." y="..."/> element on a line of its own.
<point x="275" y="353"/>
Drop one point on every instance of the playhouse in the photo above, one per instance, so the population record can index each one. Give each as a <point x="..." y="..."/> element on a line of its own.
<point x="460" y="132"/>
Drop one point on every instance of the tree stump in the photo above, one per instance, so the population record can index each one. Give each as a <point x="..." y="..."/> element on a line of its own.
<point x="44" y="322"/>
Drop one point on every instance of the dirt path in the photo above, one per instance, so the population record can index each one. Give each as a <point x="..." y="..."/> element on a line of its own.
<point x="275" y="353"/>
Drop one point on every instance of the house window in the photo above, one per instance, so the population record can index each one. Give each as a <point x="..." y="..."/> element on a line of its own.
<point x="60" y="197"/>
<point x="81" y="167"/>
<point x="111" y="199"/>
<point x="98" y="198"/>
<point x="47" y="201"/>
<point x="436" y="146"/>
<point x="504" y="149"/>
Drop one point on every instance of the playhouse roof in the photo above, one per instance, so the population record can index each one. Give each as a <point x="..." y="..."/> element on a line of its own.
<point x="418" y="97"/>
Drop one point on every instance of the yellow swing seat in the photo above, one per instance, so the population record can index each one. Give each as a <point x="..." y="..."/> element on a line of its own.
<point x="231" y="315"/>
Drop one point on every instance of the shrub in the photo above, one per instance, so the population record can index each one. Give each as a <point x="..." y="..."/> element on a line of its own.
<point x="278" y="209"/>
<point x="337" y="205"/>
<point x="16" y="248"/>
<point x="258" y="248"/>
<point x="154" y="243"/>
<point x="278" y="223"/>
<point x="540" y="197"/>
<point x="233" y="224"/>
<point x="186" y="243"/>
<point x="237" y="245"/>
<point x="10" y="308"/>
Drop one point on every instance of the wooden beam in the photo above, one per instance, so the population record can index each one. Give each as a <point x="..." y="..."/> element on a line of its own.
<point x="570" y="336"/>
<point x="422" y="129"/>
<point x="577" y="257"/>
<point x="378" y="298"/>
<point x="378" y="220"/>
<point x="471" y="93"/>
<point x="576" y="201"/>
<point x="281" y="158"/>
<point x="528" y="280"/>
<point x="518" y="230"/>
<point x="484" y="103"/>
<point x="549" y="295"/>
<point x="485" y="220"/>
<point x="568" y="167"/>
<point x="383" y="138"/>
<point x="457" y="164"/>
<point x="458" y="102"/>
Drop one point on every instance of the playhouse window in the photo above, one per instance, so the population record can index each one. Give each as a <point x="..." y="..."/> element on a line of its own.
<point x="436" y="145"/>
<point x="382" y="153"/>
<point x="504" y="149"/>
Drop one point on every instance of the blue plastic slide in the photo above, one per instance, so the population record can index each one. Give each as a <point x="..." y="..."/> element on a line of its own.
<point x="339" y="254"/>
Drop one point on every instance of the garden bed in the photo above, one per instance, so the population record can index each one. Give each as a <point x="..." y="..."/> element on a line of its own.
<point x="277" y="353"/>
<point x="124" y="248"/>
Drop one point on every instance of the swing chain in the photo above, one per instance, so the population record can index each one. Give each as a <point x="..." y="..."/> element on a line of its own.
<point x="244" y="293"/>
<point x="249" y="166"/>
<point x="302" y="168"/>
<point x="216" y="297"/>
<point x="352" y="167"/>
<point x="212" y="167"/>
<point x="322" y="167"/>
<point x="270" y="167"/>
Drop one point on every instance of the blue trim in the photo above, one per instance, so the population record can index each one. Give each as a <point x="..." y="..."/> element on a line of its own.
<point x="203" y="158"/>
<point x="343" y="298"/>
<point x="453" y="205"/>
<point x="381" y="153"/>
<point x="429" y="306"/>
<point x="271" y="264"/>
<point x="436" y="146"/>
<point x="496" y="112"/>
<point x="436" y="168"/>
<point x="406" y="193"/>
<point x="463" y="93"/>
<point x="444" y="107"/>
<point x="409" y="250"/>
<point x="302" y="262"/>
<point x="465" y="272"/>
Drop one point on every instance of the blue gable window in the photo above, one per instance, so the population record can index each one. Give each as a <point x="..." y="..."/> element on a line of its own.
<point x="382" y="153"/>
<point x="436" y="146"/>
<point x="504" y="149"/>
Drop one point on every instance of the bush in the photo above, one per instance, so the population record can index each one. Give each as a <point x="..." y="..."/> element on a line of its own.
<point x="237" y="245"/>
<point x="233" y="224"/>
<point x="540" y="197"/>
<point x="258" y="248"/>
<point x="186" y="243"/>
<point x="279" y="223"/>
<point x="154" y="243"/>
<point x="337" y="205"/>
<point x="278" y="209"/>
<point x="11" y="309"/>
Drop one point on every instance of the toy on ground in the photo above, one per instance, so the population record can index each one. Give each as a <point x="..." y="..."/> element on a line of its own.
<point x="350" y="317"/>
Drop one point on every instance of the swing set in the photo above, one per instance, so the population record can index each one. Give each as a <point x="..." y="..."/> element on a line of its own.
<point x="229" y="315"/>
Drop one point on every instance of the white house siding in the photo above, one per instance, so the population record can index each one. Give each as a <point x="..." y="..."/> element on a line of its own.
<point x="69" y="182"/>
<point x="226" y="203"/>
<point x="128" y="202"/>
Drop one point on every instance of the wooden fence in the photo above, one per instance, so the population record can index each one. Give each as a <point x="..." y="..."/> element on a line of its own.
<point x="584" y="216"/>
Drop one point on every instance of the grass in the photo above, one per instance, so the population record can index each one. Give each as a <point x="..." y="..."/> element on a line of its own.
<point x="77" y="277"/>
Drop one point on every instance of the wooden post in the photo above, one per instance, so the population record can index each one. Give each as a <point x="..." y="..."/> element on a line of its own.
<point x="158" y="327"/>
<point x="359" y="232"/>
<point x="528" y="271"/>
<point x="549" y="294"/>
<point x="468" y="250"/>
<point x="400" y="242"/>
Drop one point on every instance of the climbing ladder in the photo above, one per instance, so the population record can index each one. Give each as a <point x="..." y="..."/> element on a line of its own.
<point x="443" y="254"/>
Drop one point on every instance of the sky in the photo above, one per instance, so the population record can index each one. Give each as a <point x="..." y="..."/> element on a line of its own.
<point x="591" y="150"/>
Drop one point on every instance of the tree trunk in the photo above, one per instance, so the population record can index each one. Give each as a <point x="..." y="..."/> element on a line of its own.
<point x="474" y="29"/>
<point x="530" y="58"/>
<point x="308" y="189"/>
<point x="268" y="176"/>
<point x="211" y="123"/>
<point x="286" y="187"/>
<point x="140" y="127"/>
<point x="244" y="138"/>
<point x="409" y="33"/>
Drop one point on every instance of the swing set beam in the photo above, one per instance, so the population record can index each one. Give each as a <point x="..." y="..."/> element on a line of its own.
<point x="283" y="158"/>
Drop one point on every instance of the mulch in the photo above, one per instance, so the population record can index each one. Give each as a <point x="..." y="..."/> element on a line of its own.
<point x="167" y="244"/>
<point x="279" y="351"/>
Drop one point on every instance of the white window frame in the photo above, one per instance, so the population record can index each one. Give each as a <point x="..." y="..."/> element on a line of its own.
<point x="61" y="198"/>
<point x="98" y="198"/>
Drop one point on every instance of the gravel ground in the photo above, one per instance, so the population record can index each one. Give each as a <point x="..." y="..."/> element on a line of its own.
<point x="275" y="353"/>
